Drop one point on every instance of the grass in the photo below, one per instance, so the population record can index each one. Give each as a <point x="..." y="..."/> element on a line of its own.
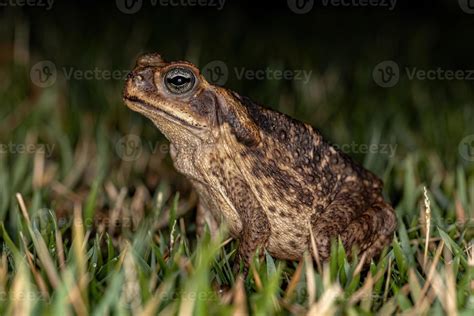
<point x="84" y="230"/>
<point x="49" y="267"/>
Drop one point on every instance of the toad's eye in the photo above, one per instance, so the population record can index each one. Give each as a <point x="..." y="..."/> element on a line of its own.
<point x="179" y="80"/>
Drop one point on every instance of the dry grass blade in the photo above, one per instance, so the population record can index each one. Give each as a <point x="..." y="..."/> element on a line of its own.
<point x="131" y="295"/>
<point x="442" y="293"/>
<point x="460" y="212"/>
<point x="366" y="290"/>
<point x="326" y="305"/>
<point x="80" y="255"/>
<point x="23" y="209"/>
<point x="256" y="278"/>
<point x="225" y="242"/>
<point x="294" y="281"/>
<point x="310" y="280"/>
<point x="427" y="223"/>
<point x="73" y="293"/>
<point x="38" y="278"/>
<point x="46" y="260"/>
<point x="240" y="298"/>
<point x="41" y="247"/>
<point x="38" y="169"/>
<point x="314" y="248"/>
<point x="153" y="304"/>
<point x="3" y="273"/>
<point x="430" y="274"/>
<point x="360" y="265"/>
<point x="60" y="249"/>
<point x="21" y="289"/>
<point x="450" y="292"/>
<point x="76" y="300"/>
<point x="415" y="289"/>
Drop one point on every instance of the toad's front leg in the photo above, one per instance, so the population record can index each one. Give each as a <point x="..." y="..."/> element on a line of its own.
<point x="254" y="237"/>
<point x="256" y="227"/>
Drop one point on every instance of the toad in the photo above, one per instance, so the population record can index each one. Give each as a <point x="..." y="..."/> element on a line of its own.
<point x="273" y="180"/>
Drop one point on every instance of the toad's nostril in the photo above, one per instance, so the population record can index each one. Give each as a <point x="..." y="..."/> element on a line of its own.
<point x="143" y="78"/>
<point x="142" y="74"/>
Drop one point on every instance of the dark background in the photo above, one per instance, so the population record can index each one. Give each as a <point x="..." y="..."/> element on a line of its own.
<point x="339" y="45"/>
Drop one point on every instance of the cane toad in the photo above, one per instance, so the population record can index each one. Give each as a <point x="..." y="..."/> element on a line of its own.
<point x="272" y="179"/>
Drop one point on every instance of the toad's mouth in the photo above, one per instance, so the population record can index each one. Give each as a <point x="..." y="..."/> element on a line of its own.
<point x="142" y="106"/>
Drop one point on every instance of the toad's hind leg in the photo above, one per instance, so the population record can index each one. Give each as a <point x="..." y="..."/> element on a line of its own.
<point x="369" y="229"/>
